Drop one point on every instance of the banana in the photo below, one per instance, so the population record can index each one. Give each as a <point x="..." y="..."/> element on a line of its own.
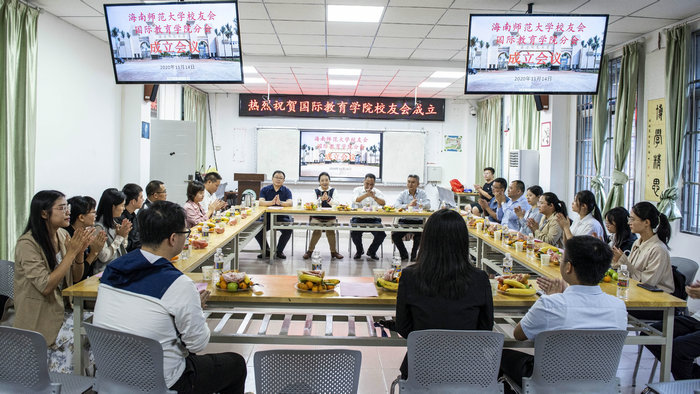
<point x="514" y="284"/>
<point x="331" y="282"/>
<point x="527" y="291"/>
<point x="388" y="285"/>
<point x="544" y="249"/>
<point x="310" y="278"/>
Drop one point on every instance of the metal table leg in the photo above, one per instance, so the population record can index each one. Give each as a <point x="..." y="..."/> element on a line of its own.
<point x="77" y="332"/>
<point x="667" y="349"/>
<point x="273" y="236"/>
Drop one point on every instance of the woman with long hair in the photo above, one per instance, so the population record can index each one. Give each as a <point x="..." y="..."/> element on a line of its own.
<point x="590" y="221"/>
<point x="649" y="260"/>
<point x="548" y="229"/>
<point x="617" y="224"/>
<point x="46" y="261"/>
<point x="443" y="290"/>
<point x="82" y="216"/>
<point x="109" y="209"/>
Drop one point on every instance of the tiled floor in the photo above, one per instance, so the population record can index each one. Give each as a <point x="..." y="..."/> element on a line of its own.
<point x="380" y="365"/>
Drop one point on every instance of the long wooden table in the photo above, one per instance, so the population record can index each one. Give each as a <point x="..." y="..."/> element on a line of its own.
<point x="276" y="225"/>
<point x="638" y="298"/>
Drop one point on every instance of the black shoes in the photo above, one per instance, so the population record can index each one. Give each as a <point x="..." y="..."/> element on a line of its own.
<point x="373" y="256"/>
<point x="280" y="255"/>
<point x="358" y="255"/>
<point x="267" y="255"/>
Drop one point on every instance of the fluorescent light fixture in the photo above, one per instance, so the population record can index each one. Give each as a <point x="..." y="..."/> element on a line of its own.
<point x="254" y="80"/>
<point x="435" y="84"/>
<point x="354" y="13"/>
<point x="342" y="82"/>
<point x="448" y="74"/>
<point x="249" y="70"/>
<point x="344" y="71"/>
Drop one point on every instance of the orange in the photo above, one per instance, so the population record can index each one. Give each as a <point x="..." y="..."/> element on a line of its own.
<point x="242" y="286"/>
<point x="607" y="278"/>
<point x="310" y="284"/>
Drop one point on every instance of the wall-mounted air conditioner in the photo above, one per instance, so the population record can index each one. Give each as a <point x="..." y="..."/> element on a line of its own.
<point x="524" y="165"/>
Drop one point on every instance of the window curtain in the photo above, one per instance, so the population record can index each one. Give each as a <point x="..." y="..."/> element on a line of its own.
<point x="624" y="119"/>
<point x="18" y="65"/>
<point x="677" y="63"/>
<point x="195" y="108"/>
<point x="600" y="127"/>
<point x="488" y="136"/>
<point x="524" y="122"/>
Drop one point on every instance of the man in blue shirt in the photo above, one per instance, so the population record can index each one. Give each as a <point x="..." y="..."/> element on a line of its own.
<point x="276" y="195"/>
<point x="506" y="211"/>
<point x="411" y="198"/>
<point x="580" y="305"/>
<point x="499" y="198"/>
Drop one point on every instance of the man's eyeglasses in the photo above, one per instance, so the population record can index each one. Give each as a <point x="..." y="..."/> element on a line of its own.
<point x="186" y="232"/>
<point x="163" y="192"/>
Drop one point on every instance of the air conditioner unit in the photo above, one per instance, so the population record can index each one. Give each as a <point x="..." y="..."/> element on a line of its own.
<point x="524" y="165"/>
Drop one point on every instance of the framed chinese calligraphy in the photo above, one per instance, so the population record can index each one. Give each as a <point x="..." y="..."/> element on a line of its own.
<point x="342" y="107"/>
<point x="175" y="42"/>
<point x="519" y="54"/>
<point x="656" y="150"/>
<point x="345" y="155"/>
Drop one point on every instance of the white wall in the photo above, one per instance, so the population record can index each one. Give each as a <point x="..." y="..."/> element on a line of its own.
<point x="78" y="111"/>
<point x="235" y="137"/>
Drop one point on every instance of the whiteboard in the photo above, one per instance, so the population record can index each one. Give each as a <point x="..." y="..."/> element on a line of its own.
<point x="404" y="154"/>
<point x="278" y="149"/>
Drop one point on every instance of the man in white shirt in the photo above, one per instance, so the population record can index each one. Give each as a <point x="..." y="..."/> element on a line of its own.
<point x="366" y="196"/>
<point x="411" y="198"/>
<point x="142" y="293"/>
<point x="211" y="184"/>
<point x="506" y="211"/>
<point x="581" y="306"/>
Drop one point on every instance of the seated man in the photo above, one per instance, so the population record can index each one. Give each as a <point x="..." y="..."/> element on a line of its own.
<point x="411" y="197"/>
<point x="485" y="192"/>
<point x="581" y="306"/>
<point x="276" y="195"/>
<point x="686" y="341"/>
<point x="142" y="293"/>
<point x="490" y="208"/>
<point x="211" y="184"/>
<point x="506" y="212"/>
<point x="155" y="191"/>
<point x="367" y="196"/>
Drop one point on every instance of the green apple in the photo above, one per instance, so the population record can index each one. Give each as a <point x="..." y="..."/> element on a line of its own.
<point x="614" y="276"/>
<point x="233" y="286"/>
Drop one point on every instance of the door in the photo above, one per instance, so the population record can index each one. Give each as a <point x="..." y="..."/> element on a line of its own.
<point x="173" y="156"/>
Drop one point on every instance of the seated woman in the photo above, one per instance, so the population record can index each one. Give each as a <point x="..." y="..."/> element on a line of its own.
<point x="590" y="221"/>
<point x="443" y="290"/>
<point x="46" y="261"/>
<point x="548" y="229"/>
<point x="617" y="224"/>
<point x="533" y="198"/>
<point x="82" y="216"/>
<point x="194" y="213"/>
<point x="109" y="209"/>
<point x="325" y="195"/>
<point x="649" y="260"/>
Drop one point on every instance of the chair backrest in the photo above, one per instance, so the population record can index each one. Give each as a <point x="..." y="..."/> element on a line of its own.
<point x="7" y="278"/>
<point x="24" y="367"/>
<point x="126" y="363"/>
<point x="451" y="361"/>
<point x="307" y="371"/>
<point x="687" y="267"/>
<point x="586" y="360"/>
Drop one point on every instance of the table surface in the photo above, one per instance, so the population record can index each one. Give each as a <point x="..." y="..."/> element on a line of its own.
<point x="335" y="212"/>
<point x="468" y="194"/>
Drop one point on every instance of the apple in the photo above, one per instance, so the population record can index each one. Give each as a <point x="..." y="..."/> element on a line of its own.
<point x="233" y="286"/>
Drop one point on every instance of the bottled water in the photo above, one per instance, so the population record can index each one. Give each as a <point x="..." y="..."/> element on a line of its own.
<point x="507" y="264"/>
<point x="185" y="254"/>
<point x="505" y="233"/>
<point x="396" y="264"/>
<point x="316" y="262"/>
<point x="623" y="282"/>
<point x="299" y="204"/>
<point x="219" y="259"/>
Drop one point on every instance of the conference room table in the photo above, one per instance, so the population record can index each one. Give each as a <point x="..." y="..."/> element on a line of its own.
<point x="275" y="212"/>
<point x="638" y="298"/>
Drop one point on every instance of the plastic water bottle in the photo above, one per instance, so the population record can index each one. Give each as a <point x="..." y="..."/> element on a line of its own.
<point x="507" y="264"/>
<point x="316" y="262"/>
<point x="185" y="254"/>
<point x="505" y="233"/>
<point x="219" y="259"/>
<point x="205" y="231"/>
<point x="396" y="264"/>
<point x="623" y="282"/>
<point x="299" y="203"/>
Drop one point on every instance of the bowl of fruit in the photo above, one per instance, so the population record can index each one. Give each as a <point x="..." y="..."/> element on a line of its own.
<point x="610" y="276"/>
<point x="310" y="206"/>
<point x="343" y="207"/>
<point x="234" y="282"/>
<point x="389" y="208"/>
<point x="315" y="282"/>
<point x="515" y="285"/>
<point x="552" y="251"/>
<point x="388" y="281"/>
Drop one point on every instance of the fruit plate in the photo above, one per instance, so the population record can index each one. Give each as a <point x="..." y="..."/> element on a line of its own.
<point x="515" y="295"/>
<point x="311" y="291"/>
<point x="235" y="291"/>
<point x="384" y="288"/>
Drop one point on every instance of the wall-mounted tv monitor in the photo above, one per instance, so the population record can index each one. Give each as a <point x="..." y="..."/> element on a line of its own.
<point x="175" y="42"/>
<point x="519" y="54"/>
<point x="344" y="155"/>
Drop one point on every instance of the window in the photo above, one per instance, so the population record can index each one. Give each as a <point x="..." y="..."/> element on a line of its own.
<point x="690" y="197"/>
<point x="585" y="171"/>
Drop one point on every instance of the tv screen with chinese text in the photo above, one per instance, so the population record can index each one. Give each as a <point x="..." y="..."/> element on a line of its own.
<point x="175" y="42"/>
<point x="520" y="54"/>
<point x="344" y="155"/>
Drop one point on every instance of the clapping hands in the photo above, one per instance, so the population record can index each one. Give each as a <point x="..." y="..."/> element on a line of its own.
<point x="123" y="229"/>
<point x="551" y="285"/>
<point x="80" y="240"/>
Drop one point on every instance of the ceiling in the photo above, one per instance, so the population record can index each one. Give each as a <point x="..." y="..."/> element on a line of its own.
<point x="291" y="44"/>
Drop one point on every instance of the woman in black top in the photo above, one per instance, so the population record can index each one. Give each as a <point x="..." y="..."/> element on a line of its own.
<point x="82" y="215"/>
<point x="443" y="290"/>
<point x="617" y="223"/>
<point x="324" y="195"/>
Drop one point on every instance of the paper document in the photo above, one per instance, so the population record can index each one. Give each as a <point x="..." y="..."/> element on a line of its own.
<point x="358" y="290"/>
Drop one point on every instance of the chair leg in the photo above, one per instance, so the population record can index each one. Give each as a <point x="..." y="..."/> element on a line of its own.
<point x="394" y="384"/>
<point x="653" y="370"/>
<point x="636" y="365"/>
<point x="306" y="241"/>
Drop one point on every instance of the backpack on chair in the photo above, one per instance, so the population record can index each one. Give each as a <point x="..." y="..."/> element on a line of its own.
<point x="457" y="186"/>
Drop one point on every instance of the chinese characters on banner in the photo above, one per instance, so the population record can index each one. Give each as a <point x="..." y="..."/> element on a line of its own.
<point x="342" y="107"/>
<point x="656" y="150"/>
<point x="174" y="22"/>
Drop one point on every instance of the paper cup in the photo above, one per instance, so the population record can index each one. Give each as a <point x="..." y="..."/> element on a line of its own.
<point x="479" y="226"/>
<point x="545" y="259"/>
<point x="497" y="235"/>
<point x="519" y="246"/>
<point x="206" y="272"/>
